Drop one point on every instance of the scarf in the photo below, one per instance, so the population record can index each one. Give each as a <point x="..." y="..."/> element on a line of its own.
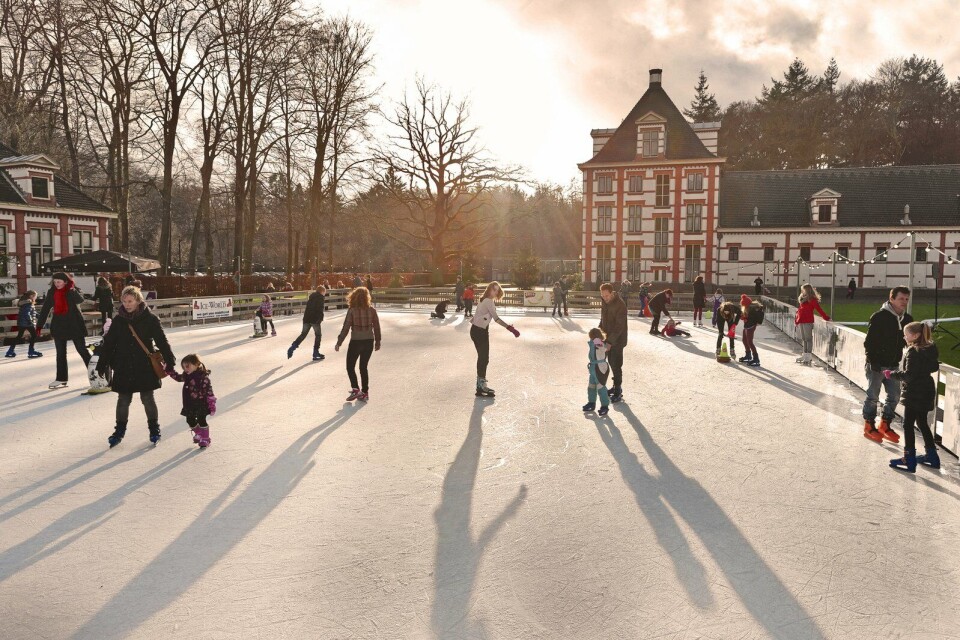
<point x="60" y="304"/>
<point x="123" y="313"/>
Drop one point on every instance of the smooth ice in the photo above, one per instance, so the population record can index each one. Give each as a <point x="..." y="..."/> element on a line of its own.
<point x="717" y="501"/>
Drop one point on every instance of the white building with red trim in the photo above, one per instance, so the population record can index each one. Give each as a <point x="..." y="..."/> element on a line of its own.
<point x="43" y="217"/>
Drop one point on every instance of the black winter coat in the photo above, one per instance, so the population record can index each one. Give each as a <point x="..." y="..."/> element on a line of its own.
<point x="699" y="294"/>
<point x="314" y="311"/>
<point x="917" y="389"/>
<point x="68" y="326"/>
<point x="104" y="296"/>
<point x="884" y="342"/>
<point x="132" y="372"/>
<point x="613" y="321"/>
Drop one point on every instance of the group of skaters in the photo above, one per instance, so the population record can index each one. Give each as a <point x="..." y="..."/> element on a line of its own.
<point x="900" y="353"/>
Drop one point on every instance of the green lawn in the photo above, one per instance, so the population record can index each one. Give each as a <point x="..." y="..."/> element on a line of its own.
<point x="861" y="311"/>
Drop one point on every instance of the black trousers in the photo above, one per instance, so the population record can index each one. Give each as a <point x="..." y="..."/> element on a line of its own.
<point x="303" y="334"/>
<point x="33" y="336"/>
<point x="913" y="416"/>
<point x="615" y="359"/>
<point x="359" y="350"/>
<point x="655" y="323"/>
<point x="722" y="327"/>
<point x="61" y="344"/>
<point x="481" y="340"/>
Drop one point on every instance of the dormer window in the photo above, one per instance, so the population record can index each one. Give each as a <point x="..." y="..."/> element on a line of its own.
<point x="824" y="206"/>
<point x="40" y="188"/>
<point x="824" y="214"/>
<point x="651" y="144"/>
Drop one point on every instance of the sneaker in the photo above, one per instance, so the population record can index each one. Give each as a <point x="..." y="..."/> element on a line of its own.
<point x="354" y="394"/>
<point x="363" y="396"/>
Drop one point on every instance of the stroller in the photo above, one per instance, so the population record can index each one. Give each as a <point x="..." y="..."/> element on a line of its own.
<point x="98" y="384"/>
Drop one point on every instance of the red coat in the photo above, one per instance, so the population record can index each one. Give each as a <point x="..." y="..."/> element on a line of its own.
<point x="805" y="312"/>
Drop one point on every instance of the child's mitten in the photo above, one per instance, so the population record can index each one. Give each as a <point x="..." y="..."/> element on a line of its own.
<point x="212" y="404"/>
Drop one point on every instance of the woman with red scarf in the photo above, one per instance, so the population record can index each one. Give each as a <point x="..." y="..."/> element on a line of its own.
<point x="67" y="324"/>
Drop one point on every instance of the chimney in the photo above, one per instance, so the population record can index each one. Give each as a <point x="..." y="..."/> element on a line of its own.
<point x="655" y="76"/>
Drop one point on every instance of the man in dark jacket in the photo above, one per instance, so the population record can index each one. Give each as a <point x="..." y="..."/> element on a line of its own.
<point x="658" y="306"/>
<point x="613" y="322"/>
<point x="458" y="292"/>
<point x="758" y="286"/>
<point x="884" y="347"/>
<point x="312" y="317"/>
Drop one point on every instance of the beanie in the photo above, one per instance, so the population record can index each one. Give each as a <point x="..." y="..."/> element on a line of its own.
<point x="745" y="300"/>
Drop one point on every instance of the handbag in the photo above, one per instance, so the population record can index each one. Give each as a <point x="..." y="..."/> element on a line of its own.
<point x="155" y="357"/>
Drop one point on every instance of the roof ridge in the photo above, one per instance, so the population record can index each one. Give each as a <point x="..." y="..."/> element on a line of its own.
<point x="892" y="167"/>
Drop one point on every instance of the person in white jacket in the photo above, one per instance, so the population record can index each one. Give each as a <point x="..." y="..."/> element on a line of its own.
<point x="480" y="333"/>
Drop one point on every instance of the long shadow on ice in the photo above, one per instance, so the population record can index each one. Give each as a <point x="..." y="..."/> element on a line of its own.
<point x="209" y="538"/>
<point x="765" y="597"/>
<point x="458" y="554"/>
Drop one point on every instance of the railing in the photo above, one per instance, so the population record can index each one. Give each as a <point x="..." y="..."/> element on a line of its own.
<point x="842" y="349"/>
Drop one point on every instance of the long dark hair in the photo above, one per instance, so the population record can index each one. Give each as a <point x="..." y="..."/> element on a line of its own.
<point x="194" y="359"/>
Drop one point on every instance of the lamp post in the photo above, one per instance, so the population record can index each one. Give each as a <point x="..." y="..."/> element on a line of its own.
<point x="833" y="280"/>
<point x="913" y="255"/>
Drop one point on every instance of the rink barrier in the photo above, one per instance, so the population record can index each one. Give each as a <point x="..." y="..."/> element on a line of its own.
<point x="841" y="348"/>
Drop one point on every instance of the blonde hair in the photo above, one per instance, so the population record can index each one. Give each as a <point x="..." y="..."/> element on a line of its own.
<point x="487" y="292"/>
<point x="729" y="309"/>
<point x="131" y="290"/>
<point x="359" y="298"/>
<point x="922" y="332"/>
<point x="807" y="292"/>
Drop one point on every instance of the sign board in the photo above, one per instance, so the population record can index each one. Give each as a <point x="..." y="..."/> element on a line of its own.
<point x="537" y="299"/>
<point x="204" y="308"/>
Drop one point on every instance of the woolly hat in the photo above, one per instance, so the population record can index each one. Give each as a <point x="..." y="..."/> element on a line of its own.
<point x="60" y="275"/>
<point x="745" y="300"/>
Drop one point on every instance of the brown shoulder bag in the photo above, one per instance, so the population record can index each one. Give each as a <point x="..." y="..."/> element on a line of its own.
<point x="155" y="357"/>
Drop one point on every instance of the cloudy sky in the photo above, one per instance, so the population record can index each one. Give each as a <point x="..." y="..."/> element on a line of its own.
<point x="540" y="74"/>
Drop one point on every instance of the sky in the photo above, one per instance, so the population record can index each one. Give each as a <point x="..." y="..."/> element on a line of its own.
<point x="540" y="74"/>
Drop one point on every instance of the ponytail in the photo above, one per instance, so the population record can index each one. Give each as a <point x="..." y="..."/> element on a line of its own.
<point x="922" y="331"/>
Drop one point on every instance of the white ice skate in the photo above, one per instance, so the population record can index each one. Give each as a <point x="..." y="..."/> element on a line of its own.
<point x="56" y="384"/>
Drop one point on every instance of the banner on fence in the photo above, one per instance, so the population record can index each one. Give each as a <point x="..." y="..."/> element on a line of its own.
<point x="205" y="308"/>
<point x="537" y="299"/>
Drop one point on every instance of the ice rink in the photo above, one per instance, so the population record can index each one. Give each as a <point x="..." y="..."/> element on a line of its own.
<point x="717" y="501"/>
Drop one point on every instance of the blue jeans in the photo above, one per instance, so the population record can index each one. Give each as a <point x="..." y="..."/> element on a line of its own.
<point x="875" y="380"/>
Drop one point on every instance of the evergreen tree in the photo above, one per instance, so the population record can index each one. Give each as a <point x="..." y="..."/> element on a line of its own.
<point x="704" y="107"/>
<point x="526" y="272"/>
<point x="831" y="76"/>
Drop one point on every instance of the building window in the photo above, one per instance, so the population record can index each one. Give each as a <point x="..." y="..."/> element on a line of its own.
<point x="768" y="254"/>
<point x="659" y="275"/>
<point x="633" y="218"/>
<point x="603" y="262"/>
<point x="920" y="254"/>
<point x="881" y="253"/>
<point x="4" y="258"/>
<point x="41" y="249"/>
<point x="661" y="237"/>
<point x="636" y="184"/>
<point x="40" y="188"/>
<point x="82" y="241"/>
<point x="604" y="219"/>
<point x="825" y="214"/>
<point x="694" y="216"/>
<point x="805" y="254"/>
<point x="843" y="252"/>
<point x="651" y="144"/>
<point x="695" y="182"/>
<point x="605" y="184"/>
<point x="663" y="191"/>
<point x="691" y="262"/>
<point x="733" y="254"/>
<point x="634" y="263"/>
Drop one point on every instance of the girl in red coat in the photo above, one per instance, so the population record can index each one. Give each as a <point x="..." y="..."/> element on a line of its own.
<point x="809" y="301"/>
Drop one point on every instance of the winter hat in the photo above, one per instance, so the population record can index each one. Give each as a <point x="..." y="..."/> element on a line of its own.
<point x="60" y="275"/>
<point x="745" y="300"/>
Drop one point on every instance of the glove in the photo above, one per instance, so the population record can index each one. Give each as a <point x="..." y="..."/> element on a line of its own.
<point x="886" y="373"/>
<point x="513" y="330"/>
<point x="212" y="404"/>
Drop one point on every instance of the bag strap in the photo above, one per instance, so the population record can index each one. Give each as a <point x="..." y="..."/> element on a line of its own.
<point x="139" y="341"/>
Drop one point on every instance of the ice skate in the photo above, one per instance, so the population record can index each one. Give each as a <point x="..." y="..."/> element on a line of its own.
<point x="354" y="394"/>
<point x="930" y="459"/>
<point x="11" y="352"/>
<point x="318" y="356"/>
<point x="273" y="333"/>
<point x="196" y="435"/>
<point x="887" y="432"/>
<point x="154" y="435"/>
<point x="907" y="463"/>
<point x="616" y="395"/>
<point x="753" y="363"/>
<point x="747" y="358"/>
<point x="483" y="390"/>
<point x="870" y="432"/>
<point x="116" y="437"/>
<point x="363" y="396"/>
<point x="204" y="440"/>
<point x="33" y="353"/>
<point x="590" y="406"/>
<point x="56" y="384"/>
<point x="290" y="351"/>
<point x="603" y="411"/>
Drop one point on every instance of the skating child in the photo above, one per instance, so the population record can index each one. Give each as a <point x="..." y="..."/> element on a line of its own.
<point x="26" y="323"/>
<point x="918" y="395"/>
<point x="198" y="399"/>
<point x="717" y="301"/>
<point x="752" y="314"/>
<point x="671" y="329"/>
<point x="599" y="370"/>
<point x="644" y="296"/>
<point x="265" y="313"/>
<point x="468" y="295"/>
<point x="440" y="311"/>
<point x="809" y="301"/>
<point x="728" y="314"/>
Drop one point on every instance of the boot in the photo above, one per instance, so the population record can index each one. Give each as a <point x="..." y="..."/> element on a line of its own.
<point x="12" y="352"/>
<point x="154" y="433"/>
<point x="204" y="433"/>
<point x="117" y="436"/>
<point x="931" y="459"/>
<point x="870" y="432"/>
<point x="887" y="432"/>
<point x="290" y="351"/>
<point x="747" y="358"/>
<point x="196" y="435"/>
<point x="317" y="355"/>
<point x="33" y="353"/>
<point x="754" y="363"/>
<point x="907" y="463"/>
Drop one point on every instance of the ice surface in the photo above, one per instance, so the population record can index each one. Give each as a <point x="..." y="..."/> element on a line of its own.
<point x="717" y="501"/>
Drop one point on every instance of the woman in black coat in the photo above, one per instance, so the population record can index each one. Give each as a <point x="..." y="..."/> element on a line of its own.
<point x="699" y="300"/>
<point x="132" y="371"/>
<point x="104" y="297"/>
<point x="66" y="324"/>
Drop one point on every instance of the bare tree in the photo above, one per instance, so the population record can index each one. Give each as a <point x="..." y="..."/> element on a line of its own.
<point x="439" y="175"/>
<point x="26" y="72"/>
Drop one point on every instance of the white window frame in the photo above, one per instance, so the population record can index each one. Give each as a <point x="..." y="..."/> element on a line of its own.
<point x="662" y="195"/>
<point x="605" y="185"/>
<point x="694" y="182"/>
<point x="634" y="218"/>
<point x="659" y="274"/>
<point x="81" y="247"/>
<point x="881" y="253"/>
<point x="634" y="262"/>
<point x="636" y="184"/>
<point x="694" y="217"/>
<point x="605" y="219"/>
<point x="604" y="262"/>
<point x="773" y="254"/>
<point x="651" y="144"/>
<point x="39" y="252"/>
<point x="661" y="238"/>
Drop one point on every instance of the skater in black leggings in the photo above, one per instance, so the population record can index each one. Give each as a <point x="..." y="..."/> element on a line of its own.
<point x="363" y="322"/>
<point x="480" y="333"/>
<point x="918" y="394"/>
<point x="66" y="324"/>
<point x="728" y="315"/>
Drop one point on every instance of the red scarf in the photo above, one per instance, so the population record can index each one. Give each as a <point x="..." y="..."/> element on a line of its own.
<point x="60" y="304"/>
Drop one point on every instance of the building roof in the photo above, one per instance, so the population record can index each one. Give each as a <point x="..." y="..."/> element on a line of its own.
<point x="682" y="141"/>
<point x="35" y="159"/>
<point x="869" y="196"/>
<point x="68" y="195"/>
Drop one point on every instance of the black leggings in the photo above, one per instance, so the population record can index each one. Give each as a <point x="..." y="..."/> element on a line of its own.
<point x="195" y="421"/>
<point x="481" y="340"/>
<point x="918" y="416"/>
<point x="33" y="335"/>
<point x="362" y="350"/>
<point x="721" y="324"/>
<point x="61" y="343"/>
<point x="263" y="324"/>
